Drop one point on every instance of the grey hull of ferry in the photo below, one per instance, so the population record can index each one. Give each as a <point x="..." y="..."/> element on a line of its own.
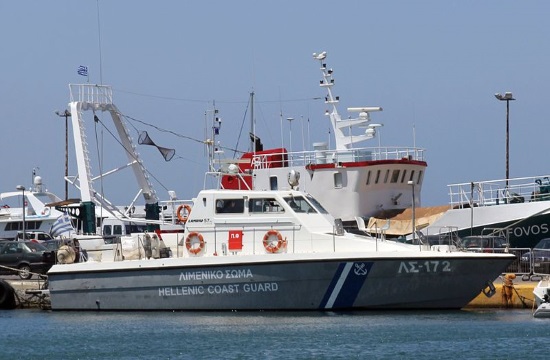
<point x="337" y="284"/>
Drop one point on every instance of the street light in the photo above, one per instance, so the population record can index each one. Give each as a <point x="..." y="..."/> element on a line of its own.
<point x="411" y="183"/>
<point x="507" y="97"/>
<point x="66" y="115"/>
<point x="22" y="188"/>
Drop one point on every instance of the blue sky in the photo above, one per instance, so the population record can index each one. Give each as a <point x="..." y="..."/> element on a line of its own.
<point x="432" y="65"/>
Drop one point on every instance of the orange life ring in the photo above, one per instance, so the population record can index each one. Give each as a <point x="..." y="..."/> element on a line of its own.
<point x="270" y="245"/>
<point x="183" y="218"/>
<point x="189" y="243"/>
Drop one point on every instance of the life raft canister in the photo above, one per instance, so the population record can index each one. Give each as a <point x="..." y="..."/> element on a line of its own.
<point x="182" y="216"/>
<point x="191" y="241"/>
<point x="273" y="241"/>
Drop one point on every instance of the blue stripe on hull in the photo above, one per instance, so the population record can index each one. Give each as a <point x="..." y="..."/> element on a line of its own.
<point x="345" y="285"/>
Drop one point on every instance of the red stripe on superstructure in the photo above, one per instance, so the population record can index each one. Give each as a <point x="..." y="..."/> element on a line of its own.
<point x="364" y="163"/>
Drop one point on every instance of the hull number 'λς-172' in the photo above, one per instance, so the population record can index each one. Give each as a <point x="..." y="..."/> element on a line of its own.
<point x="428" y="266"/>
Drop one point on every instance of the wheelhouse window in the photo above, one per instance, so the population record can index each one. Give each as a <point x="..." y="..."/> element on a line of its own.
<point x="420" y="174"/>
<point x="394" y="176"/>
<point x="316" y="204"/>
<point x="230" y="206"/>
<point x="368" y="178"/>
<point x="377" y="177"/>
<point x="387" y="176"/>
<point x="403" y="176"/>
<point x="264" y="205"/>
<point x="18" y="225"/>
<point x="273" y="184"/>
<point x="338" y="180"/>
<point x="412" y="176"/>
<point x="299" y="204"/>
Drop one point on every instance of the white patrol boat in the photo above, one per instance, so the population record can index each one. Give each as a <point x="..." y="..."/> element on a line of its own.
<point x="276" y="250"/>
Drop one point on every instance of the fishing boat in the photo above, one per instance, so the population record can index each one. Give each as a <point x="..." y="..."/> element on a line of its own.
<point x="381" y="186"/>
<point x="257" y="250"/>
<point x="100" y="223"/>
<point x="516" y="209"/>
<point x="368" y="179"/>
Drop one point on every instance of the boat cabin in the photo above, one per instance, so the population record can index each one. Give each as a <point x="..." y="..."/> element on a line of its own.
<point x="249" y="221"/>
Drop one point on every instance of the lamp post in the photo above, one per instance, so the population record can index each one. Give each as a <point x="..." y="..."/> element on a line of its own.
<point x="411" y="183"/>
<point x="66" y="115"/>
<point x="507" y="97"/>
<point x="22" y="188"/>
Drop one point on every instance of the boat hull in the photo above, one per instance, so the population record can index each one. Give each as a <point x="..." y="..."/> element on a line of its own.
<point x="524" y="225"/>
<point x="424" y="282"/>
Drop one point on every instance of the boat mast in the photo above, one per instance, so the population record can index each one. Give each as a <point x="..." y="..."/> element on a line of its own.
<point x="344" y="142"/>
<point x="252" y="124"/>
<point x="211" y="143"/>
<point x="85" y="97"/>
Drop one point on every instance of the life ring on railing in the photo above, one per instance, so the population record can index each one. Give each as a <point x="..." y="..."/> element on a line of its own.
<point x="45" y="211"/>
<point x="190" y="244"/>
<point x="181" y="217"/>
<point x="273" y="241"/>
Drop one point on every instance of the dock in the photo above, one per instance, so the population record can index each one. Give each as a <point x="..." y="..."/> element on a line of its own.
<point x="510" y="291"/>
<point x="29" y="293"/>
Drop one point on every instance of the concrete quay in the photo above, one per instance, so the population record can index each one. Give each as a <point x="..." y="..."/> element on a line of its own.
<point x="510" y="291"/>
<point x="26" y="294"/>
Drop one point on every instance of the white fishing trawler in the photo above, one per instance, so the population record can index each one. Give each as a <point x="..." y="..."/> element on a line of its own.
<point x="265" y="250"/>
<point x="381" y="185"/>
<point x="100" y="224"/>
<point x="366" y="179"/>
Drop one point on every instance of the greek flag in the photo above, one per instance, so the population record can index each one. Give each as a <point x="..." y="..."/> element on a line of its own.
<point x="61" y="225"/>
<point x="82" y="70"/>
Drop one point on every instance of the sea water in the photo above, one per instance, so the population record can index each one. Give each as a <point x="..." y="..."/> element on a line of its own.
<point x="465" y="334"/>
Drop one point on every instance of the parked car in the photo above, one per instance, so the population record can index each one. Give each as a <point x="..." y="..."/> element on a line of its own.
<point x="484" y="243"/>
<point x="36" y="236"/>
<point x="539" y="257"/>
<point x="25" y="257"/>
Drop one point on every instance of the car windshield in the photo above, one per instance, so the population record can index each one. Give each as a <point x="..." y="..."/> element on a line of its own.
<point x="34" y="247"/>
<point x="52" y="244"/>
<point x="543" y="244"/>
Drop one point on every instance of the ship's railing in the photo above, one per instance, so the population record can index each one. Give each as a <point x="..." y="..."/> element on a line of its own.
<point x="323" y="155"/>
<point x="495" y="192"/>
<point x="170" y="209"/>
<point x="91" y="93"/>
<point x="253" y="235"/>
